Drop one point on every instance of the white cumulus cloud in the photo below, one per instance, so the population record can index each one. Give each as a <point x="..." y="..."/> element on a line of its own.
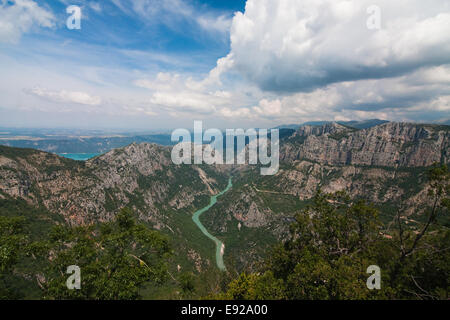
<point x="319" y="60"/>
<point x="66" y="96"/>
<point x="291" y="45"/>
<point x="180" y="93"/>
<point x="20" y="16"/>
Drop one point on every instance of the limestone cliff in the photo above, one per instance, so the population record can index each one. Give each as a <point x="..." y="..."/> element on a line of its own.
<point x="389" y="145"/>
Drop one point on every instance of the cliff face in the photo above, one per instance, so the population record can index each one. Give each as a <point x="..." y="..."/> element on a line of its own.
<point x="387" y="145"/>
<point x="141" y="176"/>
<point x="385" y="164"/>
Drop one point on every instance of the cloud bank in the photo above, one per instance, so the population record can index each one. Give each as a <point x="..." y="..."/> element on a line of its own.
<point x="317" y="59"/>
<point x="292" y="46"/>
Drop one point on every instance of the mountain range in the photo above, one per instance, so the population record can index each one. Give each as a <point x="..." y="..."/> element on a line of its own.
<point x="384" y="163"/>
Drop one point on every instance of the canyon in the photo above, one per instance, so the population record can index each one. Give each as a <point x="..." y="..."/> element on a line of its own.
<point x="384" y="164"/>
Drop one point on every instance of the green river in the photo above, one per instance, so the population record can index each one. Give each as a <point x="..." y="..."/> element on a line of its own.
<point x="220" y="247"/>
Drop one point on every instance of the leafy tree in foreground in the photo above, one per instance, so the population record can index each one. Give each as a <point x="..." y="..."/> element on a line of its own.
<point x="13" y="242"/>
<point x="115" y="259"/>
<point x="333" y="241"/>
<point x="330" y="246"/>
<point x="423" y="269"/>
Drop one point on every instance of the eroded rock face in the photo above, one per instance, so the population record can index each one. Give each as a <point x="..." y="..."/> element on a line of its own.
<point x="142" y="176"/>
<point x="391" y="144"/>
<point x="379" y="185"/>
<point x="199" y="263"/>
<point x="249" y="210"/>
<point x="375" y="163"/>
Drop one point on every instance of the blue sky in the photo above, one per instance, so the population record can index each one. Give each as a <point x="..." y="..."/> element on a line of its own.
<point x="172" y="34"/>
<point x="118" y="25"/>
<point x="163" y="64"/>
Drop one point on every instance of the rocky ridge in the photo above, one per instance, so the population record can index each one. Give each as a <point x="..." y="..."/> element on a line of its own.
<point x="142" y="176"/>
<point x="388" y="145"/>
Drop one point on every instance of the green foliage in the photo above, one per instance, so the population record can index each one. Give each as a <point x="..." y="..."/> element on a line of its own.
<point x="12" y="241"/>
<point x="115" y="259"/>
<point x="187" y="284"/>
<point x="255" y="287"/>
<point x="334" y="240"/>
<point x="15" y="153"/>
<point x="339" y="136"/>
<point x="22" y="227"/>
<point x="330" y="247"/>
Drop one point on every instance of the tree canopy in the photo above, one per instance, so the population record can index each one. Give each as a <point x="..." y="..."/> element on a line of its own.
<point x="115" y="259"/>
<point x="333" y="241"/>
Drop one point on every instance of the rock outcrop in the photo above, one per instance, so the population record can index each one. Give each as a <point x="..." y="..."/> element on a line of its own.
<point x="388" y="145"/>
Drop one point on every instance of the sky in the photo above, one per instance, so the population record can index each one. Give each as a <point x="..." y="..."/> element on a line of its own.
<point x="148" y="64"/>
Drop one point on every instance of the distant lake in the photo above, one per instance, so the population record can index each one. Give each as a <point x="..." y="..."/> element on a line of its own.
<point x="79" y="156"/>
